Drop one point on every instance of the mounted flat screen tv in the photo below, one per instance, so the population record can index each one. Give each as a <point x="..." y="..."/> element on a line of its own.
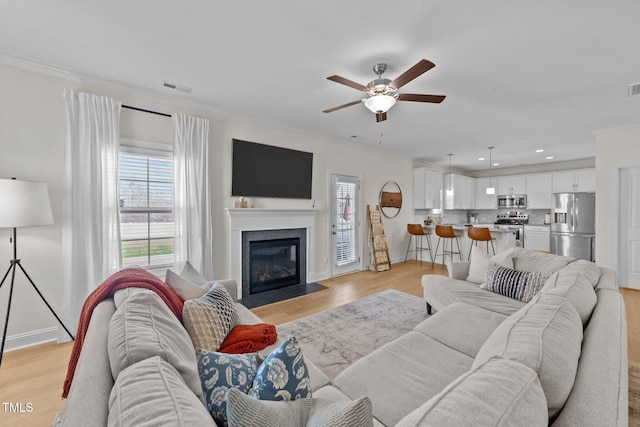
<point x="261" y="170"/>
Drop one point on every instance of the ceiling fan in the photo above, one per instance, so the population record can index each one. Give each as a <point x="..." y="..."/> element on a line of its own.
<point x="380" y="92"/>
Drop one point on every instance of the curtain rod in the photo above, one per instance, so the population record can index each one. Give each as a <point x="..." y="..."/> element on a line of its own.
<point x="146" y="111"/>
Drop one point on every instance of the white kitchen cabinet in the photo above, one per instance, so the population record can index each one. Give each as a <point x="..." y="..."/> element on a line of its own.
<point x="577" y="180"/>
<point x="470" y="192"/>
<point x="460" y="192"/>
<point x="539" y="189"/>
<point x="484" y="200"/>
<point x="537" y="237"/>
<point x="427" y="186"/>
<point x="512" y="185"/>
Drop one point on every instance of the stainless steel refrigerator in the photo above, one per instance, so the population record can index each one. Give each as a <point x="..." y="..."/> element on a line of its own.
<point x="573" y="225"/>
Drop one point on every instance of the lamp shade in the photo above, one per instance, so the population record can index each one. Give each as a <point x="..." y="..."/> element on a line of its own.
<point x="24" y="204"/>
<point x="379" y="103"/>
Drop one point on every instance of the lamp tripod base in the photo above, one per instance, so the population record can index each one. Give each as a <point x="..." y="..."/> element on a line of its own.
<point x="15" y="263"/>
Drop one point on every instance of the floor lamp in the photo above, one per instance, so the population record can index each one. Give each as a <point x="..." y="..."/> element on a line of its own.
<point x="23" y="204"/>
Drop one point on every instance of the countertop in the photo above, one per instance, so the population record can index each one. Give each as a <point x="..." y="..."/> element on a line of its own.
<point x="463" y="227"/>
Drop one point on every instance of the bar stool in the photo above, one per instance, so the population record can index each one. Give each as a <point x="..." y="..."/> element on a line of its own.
<point x="416" y="230"/>
<point x="446" y="232"/>
<point x="480" y="234"/>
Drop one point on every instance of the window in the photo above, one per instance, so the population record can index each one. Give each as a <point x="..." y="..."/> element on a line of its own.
<point x="146" y="204"/>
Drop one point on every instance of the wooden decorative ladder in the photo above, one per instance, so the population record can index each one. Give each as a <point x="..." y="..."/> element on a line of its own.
<point x="378" y="249"/>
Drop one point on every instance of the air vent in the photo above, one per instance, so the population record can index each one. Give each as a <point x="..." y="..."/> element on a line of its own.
<point x="174" y="86"/>
<point x="633" y="89"/>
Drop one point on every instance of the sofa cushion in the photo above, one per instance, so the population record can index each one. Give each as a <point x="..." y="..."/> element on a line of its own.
<point x="210" y="318"/>
<point x="521" y="252"/>
<point x="283" y="375"/>
<point x="152" y="392"/>
<point x="520" y="285"/>
<point x="441" y="291"/>
<point x="498" y="392"/>
<point x="527" y="263"/>
<point x="577" y="288"/>
<point x="220" y="373"/>
<point x="189" y="284"/>
<point x="142" y="327"/>
<point x="402" y="375"/>
<point x="463" y="327"/>
<point x="244" y="411"/>
<point x="479" y="260"/>
<point x="545" y="335"/>
<point x="589" y="269"/>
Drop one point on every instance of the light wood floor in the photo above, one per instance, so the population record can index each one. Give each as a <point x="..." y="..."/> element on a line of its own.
<point x="35" y="375"/>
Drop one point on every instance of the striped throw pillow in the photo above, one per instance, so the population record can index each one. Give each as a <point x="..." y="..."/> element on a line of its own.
<point x="520" y="285"/>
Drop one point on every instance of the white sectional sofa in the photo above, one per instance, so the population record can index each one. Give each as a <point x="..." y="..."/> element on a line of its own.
<point x="481" y="359"/>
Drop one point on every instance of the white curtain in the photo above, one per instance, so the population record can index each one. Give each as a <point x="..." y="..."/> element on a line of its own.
<point x="90" y="214"/>
<point x="192" y="217"/>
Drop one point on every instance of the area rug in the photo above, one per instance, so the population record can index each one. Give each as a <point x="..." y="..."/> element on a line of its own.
<point x="336" y="338"/>
<point x="634" y="394"/>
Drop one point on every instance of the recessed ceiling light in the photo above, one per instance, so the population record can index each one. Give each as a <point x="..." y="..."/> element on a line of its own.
<point x="496" y="164"/>
<point x="480" y="158"/>
<point x="549" y="157"/>
<point x="539" y="151"/>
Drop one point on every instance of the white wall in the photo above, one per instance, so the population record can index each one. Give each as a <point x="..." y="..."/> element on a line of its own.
<point x="615" y="149"/>
<point x="31" y="148"/>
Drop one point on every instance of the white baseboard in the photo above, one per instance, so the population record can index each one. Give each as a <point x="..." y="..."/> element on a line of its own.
<point x="28" y="339"/>
<point x="315" y="277"/>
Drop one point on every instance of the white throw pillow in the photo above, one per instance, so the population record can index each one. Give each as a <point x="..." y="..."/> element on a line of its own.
<point x="191" y="274"/>
<point x="189" y="284"/>
<point x="479" y="259"/>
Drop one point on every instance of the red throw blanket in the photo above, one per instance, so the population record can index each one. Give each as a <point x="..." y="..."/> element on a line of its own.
<point x="127" y="278"/>
<point x="249" y="339"/>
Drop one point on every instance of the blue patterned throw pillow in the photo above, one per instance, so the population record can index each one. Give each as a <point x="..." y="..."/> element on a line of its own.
<point x="283" y="375"/>
<point x="220" y="372"/>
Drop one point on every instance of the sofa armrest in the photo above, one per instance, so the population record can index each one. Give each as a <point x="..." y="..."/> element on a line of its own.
<point x="231" y="286"/>
<point x="88" y="400"/>
<point x="458" y="270"/>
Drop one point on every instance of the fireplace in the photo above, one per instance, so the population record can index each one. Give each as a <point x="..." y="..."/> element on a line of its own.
<point x="243" y="221"/>
<point x="273" y="259"/>
<point x="273" y="264"/>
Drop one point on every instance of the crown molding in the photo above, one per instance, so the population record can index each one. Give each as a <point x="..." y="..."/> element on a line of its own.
<point x="151" y="94"/>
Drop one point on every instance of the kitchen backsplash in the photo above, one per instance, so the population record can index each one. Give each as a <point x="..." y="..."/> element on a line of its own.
<point x="461" y="216"/>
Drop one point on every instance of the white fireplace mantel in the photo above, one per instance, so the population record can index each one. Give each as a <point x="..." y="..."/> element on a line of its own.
<point x="247" y="219"/>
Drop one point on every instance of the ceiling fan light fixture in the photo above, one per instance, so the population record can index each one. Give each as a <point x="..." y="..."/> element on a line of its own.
<point x="379" y="103"/>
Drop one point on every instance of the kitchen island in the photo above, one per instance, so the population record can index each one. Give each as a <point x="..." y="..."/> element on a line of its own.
<point x="504" y="239"/>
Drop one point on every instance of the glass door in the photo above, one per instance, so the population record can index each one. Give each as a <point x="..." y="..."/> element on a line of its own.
<point x="345" y="224"/>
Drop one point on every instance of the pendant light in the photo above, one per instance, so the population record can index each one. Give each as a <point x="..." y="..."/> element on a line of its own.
<point x="450" y="189"/>
<point x="490" y="189"/>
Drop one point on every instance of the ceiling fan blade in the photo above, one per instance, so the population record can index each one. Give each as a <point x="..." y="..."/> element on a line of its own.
<point x="380" y="117"/>
<point x="343" y="106"/>
<point x="436" y="99"/>
<point x="420" y="68"/>
<point x="347" y="82"/>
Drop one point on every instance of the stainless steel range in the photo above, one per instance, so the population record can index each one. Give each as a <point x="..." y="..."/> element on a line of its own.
<point x="514" y="221"/>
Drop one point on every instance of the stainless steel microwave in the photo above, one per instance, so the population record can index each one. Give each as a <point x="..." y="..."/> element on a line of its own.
<point x="509" y="201"/>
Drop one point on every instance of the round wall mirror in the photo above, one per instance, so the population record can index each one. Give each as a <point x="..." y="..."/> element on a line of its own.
<point x="390" y="199"/>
